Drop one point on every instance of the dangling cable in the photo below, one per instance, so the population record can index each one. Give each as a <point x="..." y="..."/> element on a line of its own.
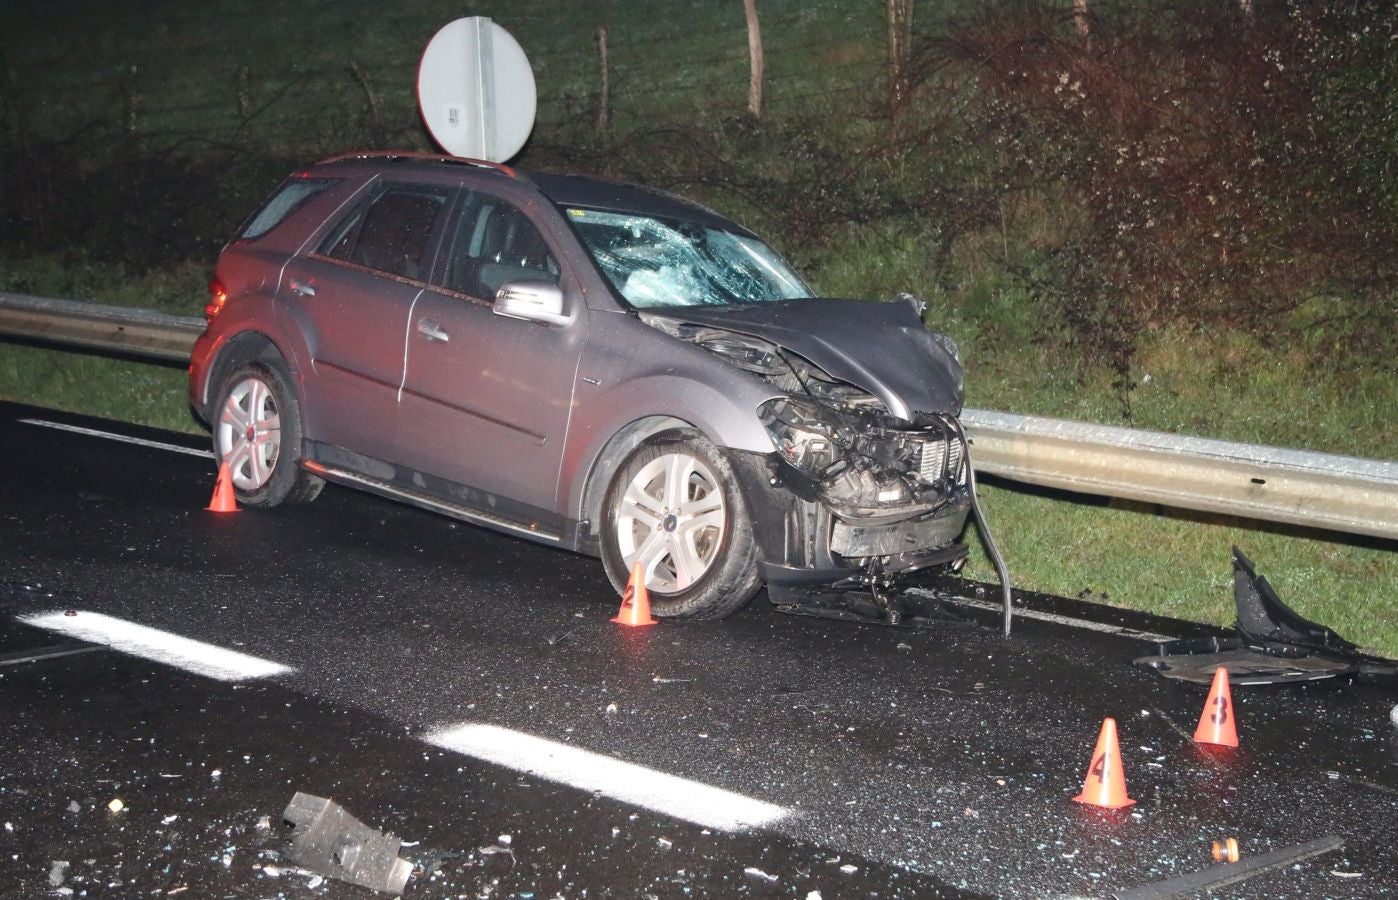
<point x="999" y="561"/>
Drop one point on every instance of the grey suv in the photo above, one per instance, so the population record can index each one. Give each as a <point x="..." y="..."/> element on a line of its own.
<point x="589" y="364"/>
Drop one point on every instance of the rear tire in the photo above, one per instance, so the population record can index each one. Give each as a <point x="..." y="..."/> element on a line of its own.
<point x="675" y="507"/>
<point x="257" y="431"/>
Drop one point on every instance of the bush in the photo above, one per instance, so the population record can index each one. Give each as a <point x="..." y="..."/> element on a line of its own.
<point x="1225" y="170"/>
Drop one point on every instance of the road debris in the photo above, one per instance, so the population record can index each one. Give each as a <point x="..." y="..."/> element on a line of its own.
<point x="327" y="840"/>
<point x="1225" y="851"/>
<point x="1231" y="873"/>
<point x="1274" y="645"/>
<point x="58" y="871"/>
<point x="759" y="875"/>
<point x="116" y="805"/>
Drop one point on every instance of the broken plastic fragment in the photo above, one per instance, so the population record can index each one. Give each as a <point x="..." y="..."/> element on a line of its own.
<point x="754" y="872"/>
<point x="328" y="840"/>
<point x="849" y="869"/>
<point x="1273" y="645"/>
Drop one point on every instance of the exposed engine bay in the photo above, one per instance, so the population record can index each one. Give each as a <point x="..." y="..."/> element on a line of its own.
<point x="890" y="492"/>
<point x="837" y="442"/>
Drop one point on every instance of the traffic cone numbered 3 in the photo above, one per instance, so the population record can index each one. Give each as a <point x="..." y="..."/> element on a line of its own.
<point x="635" y="602"/>
<point x="223" y="500"/>
<point x="1216" y="722"/>
<point x="1105" y="784"/>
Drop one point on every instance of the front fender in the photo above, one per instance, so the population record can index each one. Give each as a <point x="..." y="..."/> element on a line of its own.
<point x="652" y="403"/>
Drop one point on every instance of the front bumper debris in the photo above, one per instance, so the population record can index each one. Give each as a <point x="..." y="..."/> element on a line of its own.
<point x="1274" y="645"/>
<point x="935" y="530"/>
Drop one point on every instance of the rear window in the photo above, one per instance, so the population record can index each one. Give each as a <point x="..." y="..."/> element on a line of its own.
<point x="288" y="198"/>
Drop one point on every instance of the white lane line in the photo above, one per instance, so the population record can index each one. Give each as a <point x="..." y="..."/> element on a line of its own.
<point x="185" y="653"/>
<point x="637" y="785"/>
<point x="125" y="439"/>
<point x="1084" y="624"/>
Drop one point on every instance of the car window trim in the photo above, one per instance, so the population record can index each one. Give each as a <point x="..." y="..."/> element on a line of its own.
<point x="529" y="209"/>
<point x="377" y="187"/>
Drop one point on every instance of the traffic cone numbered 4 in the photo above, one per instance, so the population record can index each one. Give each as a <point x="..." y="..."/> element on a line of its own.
<point x="1216" y="722"/>
<point x="635" y="602"/>
<point x="224" y="500"/>
<point x="1105" y="784"/>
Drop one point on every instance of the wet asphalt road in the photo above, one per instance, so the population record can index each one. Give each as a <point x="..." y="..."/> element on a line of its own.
<point x="931" y="762"/>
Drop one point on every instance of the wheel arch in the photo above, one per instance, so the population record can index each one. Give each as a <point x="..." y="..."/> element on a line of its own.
<point x="245" y="347"/>
<point x="613" y="453"/>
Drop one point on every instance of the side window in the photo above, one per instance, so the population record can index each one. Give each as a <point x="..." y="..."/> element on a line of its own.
<point x="496" y="242"/>
<point x="293" y="194"/>
<point x="391" y="232"/>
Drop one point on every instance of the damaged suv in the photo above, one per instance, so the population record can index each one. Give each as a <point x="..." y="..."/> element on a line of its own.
<point x="589" y="364"/>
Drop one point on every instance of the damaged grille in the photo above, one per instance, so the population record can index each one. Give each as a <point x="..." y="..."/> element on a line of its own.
<point x="938" y="457"/>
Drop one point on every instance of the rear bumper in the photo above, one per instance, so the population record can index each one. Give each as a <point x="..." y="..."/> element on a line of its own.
<point x="200" y="359"/>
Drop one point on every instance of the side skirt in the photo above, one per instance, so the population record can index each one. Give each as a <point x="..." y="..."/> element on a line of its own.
<point x="434" y="494"/>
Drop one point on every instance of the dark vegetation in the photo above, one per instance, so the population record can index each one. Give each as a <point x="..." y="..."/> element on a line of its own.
<point x="1180" y="165"/>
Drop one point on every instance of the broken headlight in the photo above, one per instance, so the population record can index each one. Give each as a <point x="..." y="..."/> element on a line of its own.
<point x="860" y="469"/>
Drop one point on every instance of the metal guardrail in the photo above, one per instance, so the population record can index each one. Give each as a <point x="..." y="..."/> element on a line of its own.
<point x="1300" y="487"/>
<point x="115" y="329"/>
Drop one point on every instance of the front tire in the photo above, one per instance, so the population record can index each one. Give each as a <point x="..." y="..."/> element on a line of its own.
<point x="675" y="507"/>
<point x="257" y="431"/>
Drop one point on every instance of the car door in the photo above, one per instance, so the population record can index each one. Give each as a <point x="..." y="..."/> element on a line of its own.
<point x="487" y="398"/>
<point x="351" y="297"/>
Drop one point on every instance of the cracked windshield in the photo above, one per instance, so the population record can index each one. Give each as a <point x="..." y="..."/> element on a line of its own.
<point x="653" y="262"/>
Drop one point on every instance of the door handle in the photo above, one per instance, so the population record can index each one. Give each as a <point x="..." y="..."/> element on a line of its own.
<point x="304" y="289"/>
<point x="432" y="331"/>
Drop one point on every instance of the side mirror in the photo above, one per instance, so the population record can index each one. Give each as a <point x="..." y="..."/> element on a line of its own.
<point x="533" y="301"/>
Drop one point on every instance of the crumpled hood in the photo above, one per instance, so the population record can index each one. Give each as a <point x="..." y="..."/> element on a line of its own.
<point x="881" y="347"/>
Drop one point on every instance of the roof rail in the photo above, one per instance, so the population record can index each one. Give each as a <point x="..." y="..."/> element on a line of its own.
<point x="414" y="154"/>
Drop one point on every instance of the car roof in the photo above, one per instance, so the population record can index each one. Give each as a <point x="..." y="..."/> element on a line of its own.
<point x="621" y="196"/>
<point x="562" y="189"/>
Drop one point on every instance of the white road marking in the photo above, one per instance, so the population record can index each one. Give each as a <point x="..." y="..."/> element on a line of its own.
<point x="125" y="439"/>
<point x="185" y="653"/>
<point x="668" y="794"/>
<point x="1084" y="624"/>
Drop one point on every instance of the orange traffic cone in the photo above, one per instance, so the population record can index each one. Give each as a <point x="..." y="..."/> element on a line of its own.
<point x="223" y="500"/>
<point x="1216" y="722"/>
<point x="1105" y="784"/>
<point x="635" y="602"/>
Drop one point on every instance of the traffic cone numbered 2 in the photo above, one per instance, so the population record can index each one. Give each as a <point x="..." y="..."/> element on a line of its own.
<point x="1105" y="784"/>
<point x="635" y="602"/>
<point x="223" y="500"/>
<point x="1216" y="722"/>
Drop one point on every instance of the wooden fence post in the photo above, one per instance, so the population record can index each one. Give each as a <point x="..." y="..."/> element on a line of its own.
<point x="604" y="99"/>
<point x="900" y="23"/>
<point x="755" y="58"/>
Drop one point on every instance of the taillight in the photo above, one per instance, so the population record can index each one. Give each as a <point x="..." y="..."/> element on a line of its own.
<point x="217" y="297"/>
